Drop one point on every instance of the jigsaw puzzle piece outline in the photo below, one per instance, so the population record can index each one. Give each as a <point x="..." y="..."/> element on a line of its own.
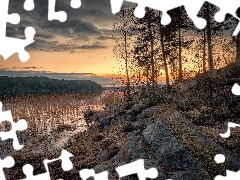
<point x="53" y="15"/>
<point x="5" y="17"/>
<point x="10" y="46"/>
<point x="192" y="9"/>
<point x="164" y="7"/>
<point x="13" y="45"/>
<point x="28" y="171"/>
<point x="87" y="173"/>
<point x="60" y="15"/>
<point x="137" y="167"/>
<point x="75" y="4"/>
<point x="226" y="9"/>
<point x="21" y="125"/>
<point x="236" y="89"/>
<point x="66" y="164"/>
<point x="230" y="175"/>
<point x="8" y="162"/>
<point x="29" y="5"/>
<point x="230" y="125"/>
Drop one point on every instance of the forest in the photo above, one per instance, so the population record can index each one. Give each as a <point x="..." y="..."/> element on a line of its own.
<point x="44" y="85"/>
<point x="154" y="54"/>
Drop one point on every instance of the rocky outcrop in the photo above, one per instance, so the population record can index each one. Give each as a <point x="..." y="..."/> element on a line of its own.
<point x="168" y="150"/>
<point x="167" y="140"/>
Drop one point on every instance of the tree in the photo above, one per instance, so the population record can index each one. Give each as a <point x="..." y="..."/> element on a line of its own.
<point x="145" y="45"/>
<point x="123" y="28"/>
<point x="180" y="25"/>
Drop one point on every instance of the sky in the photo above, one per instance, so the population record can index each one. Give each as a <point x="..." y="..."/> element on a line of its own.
<point x="80" y="48"/>
<point x="83" y="44"/>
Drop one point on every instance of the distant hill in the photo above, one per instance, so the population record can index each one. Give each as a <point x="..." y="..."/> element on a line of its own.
<point x="44" y="85"/>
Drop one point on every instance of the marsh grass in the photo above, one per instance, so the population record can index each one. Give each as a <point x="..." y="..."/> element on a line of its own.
<point x="45" y="113"/>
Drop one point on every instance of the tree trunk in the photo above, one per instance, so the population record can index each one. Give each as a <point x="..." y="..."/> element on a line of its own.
<point x="209" y="41"/>
<point x="126" y="65"/>
<point x="164" y="58"/>
<point x="152" y="59"/>
<point x="204" y="51"/>
<point x="238" y="48"/>
<point x="179" y="47"/>
<point x="147" y="70"/>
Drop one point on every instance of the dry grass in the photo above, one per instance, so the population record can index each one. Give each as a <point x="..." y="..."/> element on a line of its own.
<point x="46" y="112"/>
<point x="231" y="143"/>
<point x="54" y="119"/>
<point x="88" y="145"/>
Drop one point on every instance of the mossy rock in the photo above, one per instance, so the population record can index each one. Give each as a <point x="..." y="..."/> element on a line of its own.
<point x="113" y="150"/>
<point x="210" y="116"/>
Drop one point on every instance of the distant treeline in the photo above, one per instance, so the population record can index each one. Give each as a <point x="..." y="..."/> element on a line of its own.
<point x="43" y="85"/>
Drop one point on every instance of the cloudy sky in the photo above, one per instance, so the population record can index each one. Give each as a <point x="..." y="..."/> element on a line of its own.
<point x="83" y="44"/>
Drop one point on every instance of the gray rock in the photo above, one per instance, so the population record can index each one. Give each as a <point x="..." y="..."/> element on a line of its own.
<point x="128" y="128"/>
<point x="232" y="161"/>
<point x="147" y="113"/>
<point x="131" y="150"/>
<point x="146" y="121"/>
<point x="105" y="122"/>
<point x="103" y="156"/>
<point x="106" y="166"/>
<point x="130" y="177"/>
<point x="186" y="175"/>
<point x="137" y="108"/>
<point x="127" y="105"/>
<point x="147" y="102"/>
<point x="156" y="134"/>
<point x="135" y="135"/>
<point x="192" y="85"/>
<point x="88" y="113"/>
<point x="139" y="125"/>
<point x="182" y="103"/>
<point x="174" y="155"/>
<point x="150" y="163"/>
<point x="168" y="150"/>
<point x="129" y="117"/>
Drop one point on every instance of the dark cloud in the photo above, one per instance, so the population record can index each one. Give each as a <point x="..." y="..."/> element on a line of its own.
<point x="68" y="76"/>
<point x="91" y="22"/>
<point x="55" y="46"/>
<point x="30" y="67"/>
<point x="43" y="36"/>
<point x="103" y="38"/>
<point x="70" y="27"/>
<point x="94" y="46"/>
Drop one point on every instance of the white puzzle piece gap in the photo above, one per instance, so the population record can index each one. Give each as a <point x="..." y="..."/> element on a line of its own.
<point x="9" y="46"/>
<point x="230" y="175"/>
<point x="75" y="4"/>
<point x="236" y="89"/>
<point x="219" y="158"/>
<point x="28" y="5"/>
<point x="66" y="166"/>
<point x="28" y="171"/>
<point x="230" y="125"/>
<point x="192" y="9"/>
<point x="21" y="125"/>
<point x="137" y="167"/>
<point x="8" y="162"/>
<point x="61" y="15"/>
<point x="87" y="173"/>
<point x="53" y="15"/>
